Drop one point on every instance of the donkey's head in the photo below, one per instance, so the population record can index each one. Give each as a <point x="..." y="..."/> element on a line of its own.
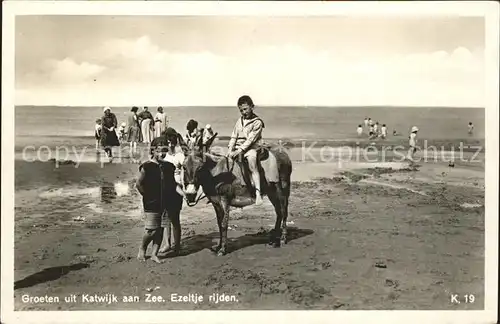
<point x="195" y="166"/>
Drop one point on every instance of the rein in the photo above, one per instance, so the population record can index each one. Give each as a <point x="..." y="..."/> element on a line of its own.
<point x="196" y="201"/>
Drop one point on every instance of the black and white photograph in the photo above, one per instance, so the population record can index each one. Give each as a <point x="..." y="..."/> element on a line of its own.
<point x="250" y="157"/>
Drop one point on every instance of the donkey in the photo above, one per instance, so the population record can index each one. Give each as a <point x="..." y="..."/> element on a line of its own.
<point x="227" y="183"/>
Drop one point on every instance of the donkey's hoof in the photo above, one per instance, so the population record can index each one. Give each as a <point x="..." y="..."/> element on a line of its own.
<point x="221" y="253"/>
<point x="284" y="240"/>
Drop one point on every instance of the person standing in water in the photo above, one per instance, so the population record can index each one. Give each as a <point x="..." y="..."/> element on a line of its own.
<point x="412" y="143"/>
<point x="366" y="121"/>
<point x="383" y="131"/>
<point x="371" y="131"/>
<point x="471" y="128"/>
<point x="160" y="122"/>
<point x="97" y="133"/>
<point x="161" y="196"/>
<point x="145" y="120"/>
<point x="359" y="130"/>
<point x="376" y="129"/>
<point x="122" y="132"/>
<point x="134" y="130"/>
<point x="109" y="139"/>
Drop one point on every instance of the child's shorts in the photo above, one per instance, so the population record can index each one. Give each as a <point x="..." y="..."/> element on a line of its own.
<point x="153" y="220"/>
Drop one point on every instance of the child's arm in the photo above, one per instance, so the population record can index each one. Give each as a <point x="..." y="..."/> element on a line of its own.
<point x="234" y="136"/>
<point x="254" y="135"/>
<point x="140" y="180"/>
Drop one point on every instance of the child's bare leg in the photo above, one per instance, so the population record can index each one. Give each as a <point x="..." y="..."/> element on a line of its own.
<point x="157" y="239"/>
<point x="252" y="163"/>
<point x="146" y="239"/>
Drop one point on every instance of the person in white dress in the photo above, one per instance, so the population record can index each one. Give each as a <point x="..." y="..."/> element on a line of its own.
<point x="471" y="128"/>
<point x="360" y="130"/>
<point x="160" y="122"/>
<point x="412" y="143"/>
<point x="383" y="131"/>
<point x="97" y="133"/>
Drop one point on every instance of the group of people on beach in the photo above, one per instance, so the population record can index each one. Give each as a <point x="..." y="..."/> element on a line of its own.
<point x="139" y="128"/>
<point x="160" y="180"/>
<point x="374" y="129"/>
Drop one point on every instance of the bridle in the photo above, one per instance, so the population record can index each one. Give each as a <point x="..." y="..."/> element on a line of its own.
<point x="200" y="197"/>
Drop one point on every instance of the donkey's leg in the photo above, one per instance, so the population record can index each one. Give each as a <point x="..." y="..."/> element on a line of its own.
<point x="219" y="213"/>
<point x="274" y="193"/>
<point x="225" y="222"/>
<point x="284" y="207"/>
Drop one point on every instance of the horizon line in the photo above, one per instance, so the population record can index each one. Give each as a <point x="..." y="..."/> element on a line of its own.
<point x="262" y="106"/>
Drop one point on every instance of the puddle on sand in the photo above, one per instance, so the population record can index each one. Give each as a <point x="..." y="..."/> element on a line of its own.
<point x="106" y="191"/>
<point x="67" y="192"/>
<point x="467" y="205"/>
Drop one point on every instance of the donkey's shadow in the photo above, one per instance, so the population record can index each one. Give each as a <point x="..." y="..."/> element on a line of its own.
<point x="199" y="242"/>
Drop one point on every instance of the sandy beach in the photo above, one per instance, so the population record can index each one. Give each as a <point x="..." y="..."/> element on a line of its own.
<point x="364" y="235"/>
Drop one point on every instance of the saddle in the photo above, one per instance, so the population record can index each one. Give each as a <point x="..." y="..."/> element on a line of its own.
<point x="262" y="155"/>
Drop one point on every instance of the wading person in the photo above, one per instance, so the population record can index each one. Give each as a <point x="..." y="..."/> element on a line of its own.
<point x="160" y="122"/>
<point x="122" y="132"/>
<point x="134" y="131"/>
<point x="145" y="119"/>
<point x="412" y="141"/>
<point x="161" y="199"/>
<point x="97" y="133"/>
<point x="246" y="139"/>
<point x="371" y="132"/>
<point x="359" y="130"/>
<point x="471" y="128"/>
<point x="383" y="131"/>
<point x="109" y="139"/>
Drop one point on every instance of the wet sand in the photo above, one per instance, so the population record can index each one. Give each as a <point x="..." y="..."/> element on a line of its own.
<point x="363" y="236"/>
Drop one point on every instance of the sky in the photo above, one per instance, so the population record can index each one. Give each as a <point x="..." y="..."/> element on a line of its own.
<point x="203" y="60"/>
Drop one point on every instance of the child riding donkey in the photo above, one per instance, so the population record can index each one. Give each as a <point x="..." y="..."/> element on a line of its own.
<point x="246" y="139"/>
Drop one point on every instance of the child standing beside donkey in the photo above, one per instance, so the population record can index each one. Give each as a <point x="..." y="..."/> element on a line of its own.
<point x="161" y="198"/>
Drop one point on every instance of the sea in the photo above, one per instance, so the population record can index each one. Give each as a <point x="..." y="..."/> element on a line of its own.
<point x="37" y="125"/>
